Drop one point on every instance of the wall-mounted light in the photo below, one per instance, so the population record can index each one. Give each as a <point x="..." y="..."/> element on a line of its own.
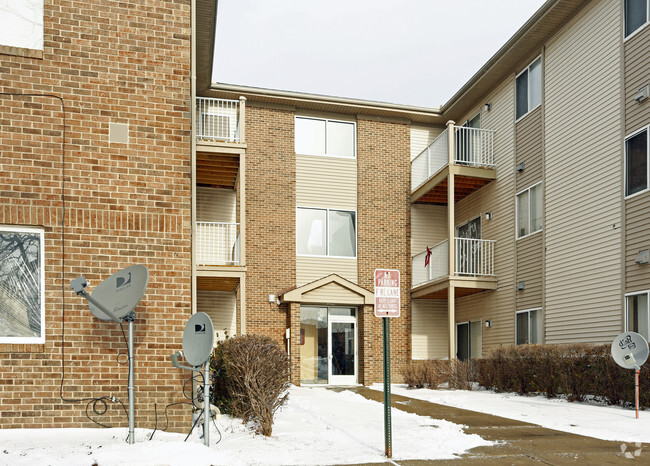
<point x="521" y="166"/>
<point x="487" y="107"/>
<point x="488" y="323"/>
<point x="488" y="215"/>
<point x="521" y="285"/>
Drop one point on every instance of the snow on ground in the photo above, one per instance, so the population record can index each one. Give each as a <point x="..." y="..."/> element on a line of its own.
<point x="317" y="426"/>
<point x="591" y="420"/>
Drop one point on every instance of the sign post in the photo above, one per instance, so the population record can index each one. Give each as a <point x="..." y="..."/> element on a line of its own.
<point x="630" y="351"/>
<point x="387" y="305"/>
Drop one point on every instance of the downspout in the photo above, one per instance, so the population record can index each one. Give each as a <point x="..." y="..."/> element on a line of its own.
<point x="193" y="151"/>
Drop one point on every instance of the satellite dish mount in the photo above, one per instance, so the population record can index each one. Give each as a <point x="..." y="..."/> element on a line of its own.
<point x="630" y="351"/>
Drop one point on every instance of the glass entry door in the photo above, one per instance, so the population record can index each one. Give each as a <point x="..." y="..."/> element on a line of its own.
<point x="342" y="350"/>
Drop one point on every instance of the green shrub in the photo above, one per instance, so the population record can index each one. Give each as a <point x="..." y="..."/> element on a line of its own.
<point x="250" y="379"/>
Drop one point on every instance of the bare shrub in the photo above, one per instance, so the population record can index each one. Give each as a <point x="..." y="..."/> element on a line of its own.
<point x="252" y="374"/>
<point x="433" y="373"/>
<point x="461" y="375"/>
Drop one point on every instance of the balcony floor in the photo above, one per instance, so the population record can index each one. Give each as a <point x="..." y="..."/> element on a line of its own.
<point x="466" y="181"/>
<point x="463" y="286"/>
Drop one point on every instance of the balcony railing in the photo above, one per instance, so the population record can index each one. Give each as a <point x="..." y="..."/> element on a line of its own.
<point x="217" y="119"/>
<point x="473" y="147"/>
<point x="474" y="257"/>
<point x="217" y="243"/>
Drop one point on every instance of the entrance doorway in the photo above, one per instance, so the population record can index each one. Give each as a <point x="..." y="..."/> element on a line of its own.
<point x="469" y="340"/>
<point x="328" y="345"/>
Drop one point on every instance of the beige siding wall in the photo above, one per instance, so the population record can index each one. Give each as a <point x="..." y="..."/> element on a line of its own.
<point x="637" y="75"/>
<point x="637" y="237"/>
<point x="429" y="335"/>
<point x="583" y="178"/>
<point x="529" y="149"/>
<point x="428" y="226"/>
<point x="332" y="293"/>
<point x="215" y="205"/>
<point x="421" y="137"/>
<point x="529" y="270"/>
<point x="221" y="307"/>
<point x="309" y="269"/>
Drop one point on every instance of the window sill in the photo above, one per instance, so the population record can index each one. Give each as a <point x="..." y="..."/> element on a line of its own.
<point x="638" y="30"/>
<point x="530" y="234"/>
<point x="643" y="191"/>
<point x="21" y="52"/>
<point x="517" y="120"/>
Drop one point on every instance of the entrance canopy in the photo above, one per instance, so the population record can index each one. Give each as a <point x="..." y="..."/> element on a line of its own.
<point x="331" y="289"/>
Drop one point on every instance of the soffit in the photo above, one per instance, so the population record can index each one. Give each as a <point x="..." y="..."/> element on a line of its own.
<point x="206" y="14"/>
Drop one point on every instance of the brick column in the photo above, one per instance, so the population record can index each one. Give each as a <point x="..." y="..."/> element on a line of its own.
<point x="294" y="326"/>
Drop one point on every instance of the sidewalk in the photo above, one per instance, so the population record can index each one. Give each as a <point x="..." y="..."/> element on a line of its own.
<point x="519" y="443"/>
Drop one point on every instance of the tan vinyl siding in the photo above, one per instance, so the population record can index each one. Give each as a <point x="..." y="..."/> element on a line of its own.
<point x="637" y="75"/>
<point x="429" y="335"/>
<point x="215" y="205"/>
<point x="326" y="182"/>
<point x="221" y="307"/>
<point x="583" y="178"/>
<point x="332" y="293"/>
<point x="421" y="137"/>
<point x="309" y="269"/>
<point x="529" y="149"/>
<point x="637" y="237"/>
<point x="428" y="226"/>
<point x="529" y="270"/>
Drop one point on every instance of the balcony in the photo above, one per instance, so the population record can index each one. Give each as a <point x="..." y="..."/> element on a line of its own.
<point x="218" y="120"/>
<point x="470" y="153"/>
<point x="473" y="269"/>
<point x="217" y="243"/>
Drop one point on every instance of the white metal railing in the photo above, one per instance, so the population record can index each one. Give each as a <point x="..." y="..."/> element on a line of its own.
<point x="438" y="264"/>
<point x="474" y="146"/>
<point x="217" y="243"/>
<point x="430" y="160"/>
<point x="474" y="256"/>
<point x="217" y="119"/>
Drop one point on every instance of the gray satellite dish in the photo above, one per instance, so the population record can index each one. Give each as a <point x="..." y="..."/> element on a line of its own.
<point x="630" y="350"/>
<point x="198" y="339"/>
<point x="120" y="292"/>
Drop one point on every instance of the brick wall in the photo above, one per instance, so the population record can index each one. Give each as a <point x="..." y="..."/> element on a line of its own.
<point x="110" y="62"/>
<point x="384" y="235"/>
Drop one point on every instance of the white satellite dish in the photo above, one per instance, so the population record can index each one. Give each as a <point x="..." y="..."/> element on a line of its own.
<point x="630" y="350"/>
<point x="198" y="339"/>
<point x="120" y="292"/>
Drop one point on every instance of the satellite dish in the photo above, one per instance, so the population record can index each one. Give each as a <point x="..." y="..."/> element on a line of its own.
<point x="630" y="350"/>
<point x="198" y="339"/>
<point x="120" y="292"/>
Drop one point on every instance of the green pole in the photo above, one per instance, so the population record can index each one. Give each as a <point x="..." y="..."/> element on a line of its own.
<point x="388" y="436"/>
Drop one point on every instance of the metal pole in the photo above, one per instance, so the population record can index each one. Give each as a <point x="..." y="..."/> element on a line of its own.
<point x="636" y="387"/>
<point x="388" y="440"/>
<point x="131" y="388"/>
<point x="206" y="404"/>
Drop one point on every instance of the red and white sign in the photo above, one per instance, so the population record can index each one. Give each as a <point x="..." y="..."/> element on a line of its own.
<point x="387" y="293"/>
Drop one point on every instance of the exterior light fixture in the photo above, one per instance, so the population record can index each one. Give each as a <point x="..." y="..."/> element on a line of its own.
<point x="521" y="285"/>
<point x="488" y="215"/>
<point x="487" y="107"/>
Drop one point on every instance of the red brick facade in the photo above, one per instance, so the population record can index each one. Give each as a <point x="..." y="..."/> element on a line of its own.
<point x="103" y="205"/>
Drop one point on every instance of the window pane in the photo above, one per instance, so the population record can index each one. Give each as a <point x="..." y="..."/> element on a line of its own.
<point x="311" y="231"/>
<point x="310" y="136"/>
<point x="343" y="235"/>
<point x="636" y="163"/>
<point x="522" y="328"/>
<point x="535" y="327"/>
<point x="536" y="208"/>
<point x="476" y="340"/>
<point x="21" y="286"/>
<point x="636" y="14"/>
<point x="340" y="138"/>
<point x="522" y="214"/>
<point x="637" y="314"/>
<point x="522" y="94"/>
<point x="535" y="84"/>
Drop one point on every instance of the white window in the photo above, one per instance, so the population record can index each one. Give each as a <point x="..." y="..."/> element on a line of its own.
<point x="529" y="210"/>
<point x="529" y="88"/>
<point x="21" y="23"/>
<point x="22" y="303"/>
<point x="326" y="232"/>
<point x="316" y="136"/>
<point x="636" y="314"/>
<point x="636" y="15"/>
<point x="636" y="162"/>
<point x="529" y="327"/>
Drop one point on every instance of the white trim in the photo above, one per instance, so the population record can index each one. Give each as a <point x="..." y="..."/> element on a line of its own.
<point x="643" y="26"/>
<point x="527" y="70"/>
<point x="517" y="237"/>
<point x="41" y="233"/>
<point x="645" y="129"/>
<point x="327" y="232"/>
<point x="326" y="120"/>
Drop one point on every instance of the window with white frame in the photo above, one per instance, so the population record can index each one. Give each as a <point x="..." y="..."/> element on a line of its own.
<point x="636" y="313"/>
<point x="636" y="15"/>
<point x="22" y="24"/>
<point x="318" y="136"/>
<point x="637" y="154"/>
<point x="529" y="327"/>
<point x="22" y="304"/>
<point x="529" y="210"/>
<point x="528" y="87"/>
<point x="326" y="232"/>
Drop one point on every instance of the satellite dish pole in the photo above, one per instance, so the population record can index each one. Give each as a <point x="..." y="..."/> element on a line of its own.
<point x="630" y="351"/>
<point x="115" y="299"/>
